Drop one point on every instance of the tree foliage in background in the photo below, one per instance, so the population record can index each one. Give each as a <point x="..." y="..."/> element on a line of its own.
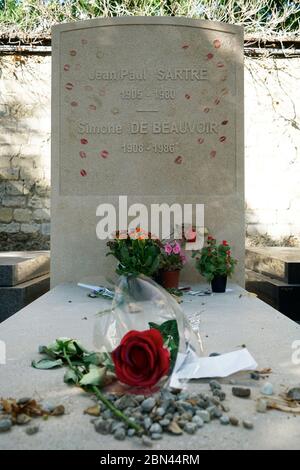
<point x="261" y="18"/>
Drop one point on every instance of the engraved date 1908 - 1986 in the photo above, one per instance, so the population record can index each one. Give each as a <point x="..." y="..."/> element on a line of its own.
<point x="156" y="93"/>
<point x="156" y="148"/>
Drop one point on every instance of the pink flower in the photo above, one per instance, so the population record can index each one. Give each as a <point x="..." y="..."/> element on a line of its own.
<point x="168" y="249"/>
<point x="183" y="259"/>
<point x="176" y="248"/>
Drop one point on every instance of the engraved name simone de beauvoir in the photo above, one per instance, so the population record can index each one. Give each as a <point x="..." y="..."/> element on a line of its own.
<point x="191" y="74"/>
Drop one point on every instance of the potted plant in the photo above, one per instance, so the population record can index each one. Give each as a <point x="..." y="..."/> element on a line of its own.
<point x="136" y="252"/>
<point x="171" y="262"/>
<point x="215" y="263"/>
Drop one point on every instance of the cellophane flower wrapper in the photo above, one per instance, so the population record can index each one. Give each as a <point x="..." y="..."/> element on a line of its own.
<point x="143" y="333"/>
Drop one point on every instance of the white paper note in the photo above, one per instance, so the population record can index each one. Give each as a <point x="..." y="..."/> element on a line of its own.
<point x="191" y="366"/>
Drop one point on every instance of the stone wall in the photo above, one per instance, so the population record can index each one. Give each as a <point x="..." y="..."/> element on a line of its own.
<point x="272" y="132"/>
<point x="24" y="152"/>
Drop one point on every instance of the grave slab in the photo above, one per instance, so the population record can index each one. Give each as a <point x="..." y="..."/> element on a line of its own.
<point x="275" y="292"/>
<point x="21" y="266"/>
<point x="227" y="321"/>
<point x="13" y="299"/>
<point x="280" y="262"/>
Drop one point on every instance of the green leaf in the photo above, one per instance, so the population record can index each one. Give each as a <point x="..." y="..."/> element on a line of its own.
<point x="47" y="363"/>
<point x="95" y="376"/>
<point x="70" y="377"/>
<point x="94" y="358"/>
<point x="170" y="334"/>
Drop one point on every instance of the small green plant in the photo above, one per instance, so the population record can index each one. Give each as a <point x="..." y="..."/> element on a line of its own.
<point x="215" y="260"/>
<point x="136" y="252"/>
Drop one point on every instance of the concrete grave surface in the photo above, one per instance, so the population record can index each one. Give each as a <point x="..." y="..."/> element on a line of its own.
<point x="150" y="108"/>
<point x="227" y="321"/>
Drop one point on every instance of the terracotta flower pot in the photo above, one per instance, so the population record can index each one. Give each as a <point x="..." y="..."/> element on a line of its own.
<point x="170" y="279"/>
<point x="218" y="284"/>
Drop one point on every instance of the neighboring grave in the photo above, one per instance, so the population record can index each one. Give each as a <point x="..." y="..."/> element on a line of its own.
<point x="24" y="276"/>
<point x="147" y="107"/>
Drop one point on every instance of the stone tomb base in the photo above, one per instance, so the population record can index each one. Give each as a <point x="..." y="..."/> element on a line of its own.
<point x="24" y="276"/>
<point x="273" y="273"/>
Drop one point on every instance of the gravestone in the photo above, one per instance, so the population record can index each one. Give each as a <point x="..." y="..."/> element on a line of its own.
<point x="151" y="108"/>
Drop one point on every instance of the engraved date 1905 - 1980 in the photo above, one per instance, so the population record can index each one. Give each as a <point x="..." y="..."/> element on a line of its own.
<point x="156" y="148"/>
<point x="156" y="93"/>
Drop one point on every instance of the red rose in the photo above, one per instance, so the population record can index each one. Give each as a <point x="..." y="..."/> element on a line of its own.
<point x="225" y="243"/>
<point x="141" y="360"/>
<point x="210" y="237"/>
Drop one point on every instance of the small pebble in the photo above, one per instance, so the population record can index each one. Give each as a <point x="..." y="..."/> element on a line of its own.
<point x="234" y="421"/>
<point x="294" y="393"/>
<point x="190" y="428"/>
<point x="197" y="420"/>
<point x="120" y="434"/>
<point x="160" y="411"/>
<point x="241" y="392"/>
<point x="164" y="422"/>
<point x="147" y="422"/>
<point x="214" y="354"/>
<point x="30" y="430"/>
<point x="103" y="427"/>
<point x="148" y="404"/>
<point x="214" y="384"/>
<point x="224" y="420"/>
<point x="155" y="428"/>
<point x="131" y="432"/>
<point x="156" y="436"/>
<point x="146" y="441"/>
<point x="267" y="389"/>
<point x="248" y="425"/>
<point x="48" y="407"/>
<point x="23" y="419"/>
<point x="204" y="415"/>
<point x="219" y="394"/>
<point x="5" y="425"/>
<point x="261" y="406"/>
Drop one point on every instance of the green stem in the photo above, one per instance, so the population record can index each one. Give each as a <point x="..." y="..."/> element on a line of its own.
<point x="116" y="412"/>
<point x="104" y="400"/>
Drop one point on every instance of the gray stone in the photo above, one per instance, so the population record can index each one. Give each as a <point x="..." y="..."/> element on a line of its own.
<point x="164" y="422"/>
<point x="190" y="428"/>
<point x="126" y="401"/>
<point x="22" y="418"/>
<point x="146" y="441"/>
<point x="148" y="404"/>
<point x="23" y="400"/>
<point x="215" y="385"/>
<point x="48" y="406"/>
<point x="30" y="430"/>
<point x="160" y="411"/>
<point x="255" y="376"/>
<point x="241" y="392"/>
<point x="131" y="432"/>
<point x="147" y="422"/>
<point x="261" y="406"/>
<point x="224" y="420"/>
<point x="220" y="394"/>
<point x="5" y="424"/>
<point x="156" y="436"/>
<point x="204" y="415"/>
<point x="155" y="428"/>
<point x="248" y="424"/>
<point x="102" y="426"/>
<point x="198" y="420"/>
<point x="294" y="393"/>
<point x="120" y="434"/>
<point x="117" y="425"/>
<point x="267" y="389"/>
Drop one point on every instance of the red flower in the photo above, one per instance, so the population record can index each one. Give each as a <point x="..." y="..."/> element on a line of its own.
<point x="141" y="360"/>
<point x="210" y="237"/>
<point x="224" y="243"/>
<point x="228" y="253"/>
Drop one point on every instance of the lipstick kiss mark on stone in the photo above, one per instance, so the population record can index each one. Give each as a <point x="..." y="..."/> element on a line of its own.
<point x="104" y="153"/>
<point x="84" y="141"/>
<point x="222" y="138"/>
<point x="213" y="153"/>
<point x="69" y="86"/>
<point x="66" y="67"/>
<point x="73" y="52"/>
<point x="209" y="56"/>
<point x="178" y="160"/>
<point x="217" y="43"/>
<point x="83" y="172"/>
<point x="82" y="154"/>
